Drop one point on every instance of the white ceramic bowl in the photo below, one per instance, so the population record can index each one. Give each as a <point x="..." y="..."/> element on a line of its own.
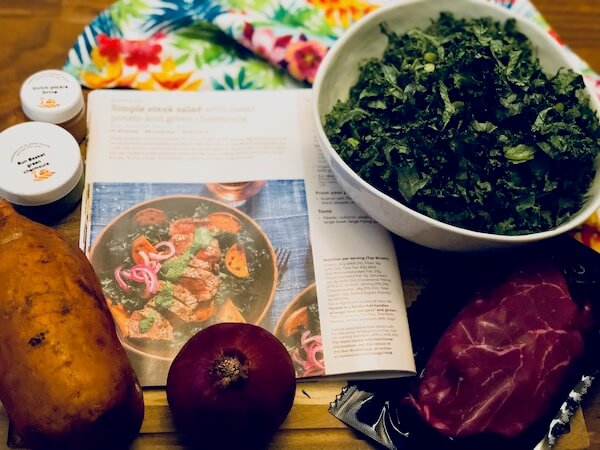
<point x="339" y="71"/>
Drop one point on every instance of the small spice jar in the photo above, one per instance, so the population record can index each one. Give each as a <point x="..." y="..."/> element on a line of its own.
<point x="42" y="170"/>
<point x="55" y="96"/>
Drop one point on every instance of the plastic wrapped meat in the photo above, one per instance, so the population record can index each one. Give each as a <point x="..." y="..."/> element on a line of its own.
<point x="505" y="355"/>
<point x="500" y="364"/>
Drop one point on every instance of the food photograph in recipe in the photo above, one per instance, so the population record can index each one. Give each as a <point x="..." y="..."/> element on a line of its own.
<point x="173" y="259"/>
<point x="299" y="328"/>
<point x="589" y="231"/>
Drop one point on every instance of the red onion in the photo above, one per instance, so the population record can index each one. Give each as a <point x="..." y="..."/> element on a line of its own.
<point x="163" y="255"/>
<point x="144" y="257"/>
<point x="140" y="273"/>
<point x="120" y="281"/>
<point x="151" y="281"/>
<point x="312" y="345"/>
<point x="311" y="356"/>
<point x="154" y="266"/>
<point x="134" y="273"/>
<point x="305" y="339"/>
<point x="231" y="385"/>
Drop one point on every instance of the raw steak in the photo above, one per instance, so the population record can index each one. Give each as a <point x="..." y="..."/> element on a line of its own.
<point x="501" y="362"/>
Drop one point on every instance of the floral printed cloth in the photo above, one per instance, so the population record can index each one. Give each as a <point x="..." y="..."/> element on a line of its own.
<point x="195" y="44"/>
<point x="225" y="44"/>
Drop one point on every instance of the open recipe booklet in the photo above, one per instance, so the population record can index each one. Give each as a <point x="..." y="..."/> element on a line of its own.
<point x="219" y="206"/>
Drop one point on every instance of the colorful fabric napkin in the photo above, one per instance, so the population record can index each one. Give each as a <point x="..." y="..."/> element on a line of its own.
<point x="226" y="44"/>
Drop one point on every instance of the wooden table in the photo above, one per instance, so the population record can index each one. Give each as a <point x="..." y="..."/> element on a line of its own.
<point x="37" y="34"/>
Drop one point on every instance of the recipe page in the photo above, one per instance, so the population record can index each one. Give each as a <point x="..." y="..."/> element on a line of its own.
<point x="195" y="137"/>
<point x="363" y="313"/>
<point x="315" y="269"/>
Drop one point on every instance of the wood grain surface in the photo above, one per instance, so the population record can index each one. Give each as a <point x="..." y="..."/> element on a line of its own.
<point x="36" y="35"/>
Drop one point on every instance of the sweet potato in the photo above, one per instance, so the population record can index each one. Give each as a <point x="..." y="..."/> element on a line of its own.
<point x="236" y="262"/>
<point x="65" y="380"/>
<point x="224" y="222"/>
<point x="228" y="312"/>
<point x="296" y="322"/>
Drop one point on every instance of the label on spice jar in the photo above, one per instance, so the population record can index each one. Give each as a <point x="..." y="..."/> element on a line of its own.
<point x="40" y="163"/>
<point x="51" y="96"/>
<point x="33" y="158"/>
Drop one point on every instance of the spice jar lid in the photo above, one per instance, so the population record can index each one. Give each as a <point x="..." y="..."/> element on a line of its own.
<point x="51" y="96"/>
<point x="39" y="162"/>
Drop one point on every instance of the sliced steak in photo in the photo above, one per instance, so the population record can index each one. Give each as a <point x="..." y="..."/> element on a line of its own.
<point x="196" y="263"/>
<point x="181" y="233"/>
<point x="148" y="323"/>
<point x="181" y="305"/>
<point x="211" y="254"/>
<point x="173" y="309"/>
<point x="184" y="296"/>
<point x="201" y="283"/>
<point x="181" y="242"/>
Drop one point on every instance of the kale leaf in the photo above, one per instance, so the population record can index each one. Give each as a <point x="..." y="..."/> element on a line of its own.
<point x="459" y="122"/>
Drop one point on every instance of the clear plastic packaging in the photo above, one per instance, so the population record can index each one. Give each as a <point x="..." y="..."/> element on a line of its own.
<point x="383" y="409"/>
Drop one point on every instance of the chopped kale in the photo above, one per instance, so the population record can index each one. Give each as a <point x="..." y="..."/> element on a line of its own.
<point x="459" y="122"/>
